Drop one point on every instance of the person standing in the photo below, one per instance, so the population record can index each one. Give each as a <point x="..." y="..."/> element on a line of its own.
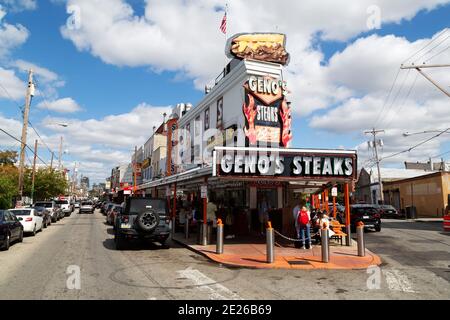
<point x="304" y="227"/>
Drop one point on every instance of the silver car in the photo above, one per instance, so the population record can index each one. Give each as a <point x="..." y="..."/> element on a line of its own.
<point x="87" y="206"/>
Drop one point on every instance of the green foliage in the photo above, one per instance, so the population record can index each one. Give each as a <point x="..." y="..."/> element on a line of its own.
<point x="8" y="185"/>
<point x="8" y="157"/>
<point x="48" y="184"/>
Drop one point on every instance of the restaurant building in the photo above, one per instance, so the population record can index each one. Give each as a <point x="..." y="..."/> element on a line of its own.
<point x="234" y="146"/>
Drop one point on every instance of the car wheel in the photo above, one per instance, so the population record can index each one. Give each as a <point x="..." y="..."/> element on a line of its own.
<point x="7" y="243"/>
<point x="148" y="220"/>
<point x="119" y="242"/>
<point x="34" y="231"/>
<point x="378" y="228"/>
<point x="21" y="236"/>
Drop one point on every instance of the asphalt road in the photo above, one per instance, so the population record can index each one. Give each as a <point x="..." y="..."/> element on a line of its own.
<point x="416" y="266"/>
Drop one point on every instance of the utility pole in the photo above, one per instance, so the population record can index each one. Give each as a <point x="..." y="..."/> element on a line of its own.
<point x="26" y="113"/>
<point x="375" y="142"/>
<point x="51" y="162"/>
<point x="60" y="153"/>
<point x="135" y="169"/>
<point x="419" y="69"/>
<point x="34" y="171"/>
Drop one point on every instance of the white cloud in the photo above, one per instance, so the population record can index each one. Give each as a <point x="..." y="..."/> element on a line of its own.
<point x="15" y="88"/>
<point x="11" y="36"/>
<point x="64" y="105"/>
<point x="45" y="74"/>
<point x="20" y="5"/>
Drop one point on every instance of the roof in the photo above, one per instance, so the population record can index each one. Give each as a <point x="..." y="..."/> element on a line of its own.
<point x="392" y="174"/>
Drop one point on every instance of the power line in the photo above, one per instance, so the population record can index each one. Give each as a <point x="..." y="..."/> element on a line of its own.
<point x="416" y="146"/>
<point x="432" y="48"/>
<point x="440" y="52"/>
<point x="26" y="145"/>
<point x="388" y="96"/>
<point x="404" y="101"/>
<point x="429" y="43"/>
<point x="396" y="96"/>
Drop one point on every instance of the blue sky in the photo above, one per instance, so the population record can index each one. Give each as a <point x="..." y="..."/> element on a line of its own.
<point x="103" y="89"/>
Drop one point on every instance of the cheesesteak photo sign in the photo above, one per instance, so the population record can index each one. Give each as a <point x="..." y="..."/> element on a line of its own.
<point x="266" y="111"/>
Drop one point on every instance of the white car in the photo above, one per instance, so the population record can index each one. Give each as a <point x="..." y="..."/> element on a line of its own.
<point x="30" y="219"/>
<point x="65" y="206"/>
<point x="87" y="206"/>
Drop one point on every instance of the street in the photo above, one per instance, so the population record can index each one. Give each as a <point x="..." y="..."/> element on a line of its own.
<point x="416" y="265"/>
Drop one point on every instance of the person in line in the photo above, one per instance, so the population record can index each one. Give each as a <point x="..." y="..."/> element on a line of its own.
<point x="211" y="210"/>
<point x="304" y="226"/>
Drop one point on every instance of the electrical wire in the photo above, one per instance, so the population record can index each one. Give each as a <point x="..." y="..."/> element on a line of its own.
<point x="429" y="43"/>
<point x="432" y="48"/>
<point x="404" y="102"/>
<point x="26" y="145"/>
<point x="440" y="52"/>
<point x="416" y="146"/>
<point x="388" y="96"/>
<point x="396" y="96"/>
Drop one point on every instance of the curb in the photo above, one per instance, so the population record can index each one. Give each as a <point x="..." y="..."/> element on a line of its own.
<point x="375" y="258"/>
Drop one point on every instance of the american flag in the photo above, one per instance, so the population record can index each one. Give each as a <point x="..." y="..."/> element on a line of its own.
<point x="223" y="26"/>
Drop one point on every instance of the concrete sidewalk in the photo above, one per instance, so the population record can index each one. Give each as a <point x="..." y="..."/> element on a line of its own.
<point x="252" y="254"/>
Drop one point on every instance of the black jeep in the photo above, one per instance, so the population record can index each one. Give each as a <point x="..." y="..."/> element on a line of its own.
<point x="142" y="218"/>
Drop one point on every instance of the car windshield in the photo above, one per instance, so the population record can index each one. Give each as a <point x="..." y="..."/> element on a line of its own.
<point x="139" y="205"/>
<point x="21" y="212"/>
<point x="62" y="202"/>
<point x="43" y="204"/>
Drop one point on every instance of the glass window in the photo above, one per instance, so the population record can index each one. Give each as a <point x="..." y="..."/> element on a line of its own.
<point x="21" y="212"/>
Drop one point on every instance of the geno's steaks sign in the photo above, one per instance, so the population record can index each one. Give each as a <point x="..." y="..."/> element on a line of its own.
<point x="285" y="163"/>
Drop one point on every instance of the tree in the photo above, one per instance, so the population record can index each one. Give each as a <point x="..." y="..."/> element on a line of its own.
<point x="9" y="176"/>
<point x="48" y="184"/>
<point x="8" y="157"/>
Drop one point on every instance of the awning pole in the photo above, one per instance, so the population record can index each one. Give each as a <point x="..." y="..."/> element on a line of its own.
<point x="347" y="214"/>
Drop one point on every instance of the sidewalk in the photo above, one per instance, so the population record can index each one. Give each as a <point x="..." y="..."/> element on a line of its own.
<point x="251" y="253"/>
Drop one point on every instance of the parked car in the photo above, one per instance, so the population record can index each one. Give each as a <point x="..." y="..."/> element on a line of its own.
<point x="87" y="206"/>
<point x="76" y="205"/>
<point x="51" y="207"/>
<point x="59" y="211"/>
<point x="368" y="214"/>
<point x="388" y="211"/>
<point x="65" y="207"/>
<point x="112" y="214"/>
<point x="142" y="218"/>
<point x="10" y="229"/>
<point x="46" y="216"/>
<point x="108" y="208"/>
<point x="104" y="207"/>
<point x="30" y="219"/>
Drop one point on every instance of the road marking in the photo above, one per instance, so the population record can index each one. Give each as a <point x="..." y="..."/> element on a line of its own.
<point x="215" y="290"/>
<point x="398" y="281"/>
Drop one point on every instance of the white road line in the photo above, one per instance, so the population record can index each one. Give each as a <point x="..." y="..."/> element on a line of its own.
<point x="398" y="281"/>
<point x="215" y="291"/>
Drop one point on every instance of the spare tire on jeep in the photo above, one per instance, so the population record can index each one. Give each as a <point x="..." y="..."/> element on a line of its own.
<point x="148" y="220"/>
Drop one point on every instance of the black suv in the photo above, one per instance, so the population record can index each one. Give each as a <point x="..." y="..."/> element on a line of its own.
<point x="142" y="218"/>
<point x="368" y="214"/>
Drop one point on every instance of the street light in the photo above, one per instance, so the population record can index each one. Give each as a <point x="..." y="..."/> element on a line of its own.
<point x="407" y="134"/>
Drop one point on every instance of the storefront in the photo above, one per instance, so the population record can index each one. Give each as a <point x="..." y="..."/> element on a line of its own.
<point x="235" y="146"/>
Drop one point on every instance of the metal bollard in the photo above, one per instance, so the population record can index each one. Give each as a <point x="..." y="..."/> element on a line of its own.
<point x="219" y="242"/>
<point x="361" y="244"/>
<point x="186" y="228"/>
<point x="348" y="238"/>
<point x="204" y="234"/>
<point x="325" y="245"/>
<point x="270" y="238"/>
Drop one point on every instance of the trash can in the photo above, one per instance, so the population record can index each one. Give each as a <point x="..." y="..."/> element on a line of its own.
<point x="411" y="212"/>
<point x="200" y="232"/>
